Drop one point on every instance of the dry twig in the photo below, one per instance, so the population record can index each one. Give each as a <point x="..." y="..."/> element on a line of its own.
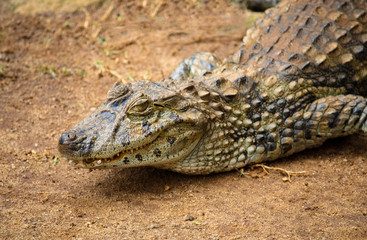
<point x="87" y="18"/>
<point x="96" y="32"/>
<point x="103" y="70"/>
<point x="207" y="39"/>
<point x="281" y="170"/>
<point x="122" y="44"/>
<point x="157" y="8"/>
<point x="107" y="13"/>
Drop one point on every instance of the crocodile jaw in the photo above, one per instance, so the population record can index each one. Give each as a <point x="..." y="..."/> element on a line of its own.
<point x="168" y="147"/>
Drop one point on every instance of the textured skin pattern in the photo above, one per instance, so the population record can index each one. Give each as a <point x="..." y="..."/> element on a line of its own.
<point x="321" y="40"/>
<point x="299" y="78"/>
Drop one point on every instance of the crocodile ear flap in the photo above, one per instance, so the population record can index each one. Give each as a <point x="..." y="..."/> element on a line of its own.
<point x="117" y="91"/>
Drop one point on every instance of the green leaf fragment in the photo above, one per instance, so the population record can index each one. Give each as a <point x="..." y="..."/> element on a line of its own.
<point x="130" y="77"/>
<point x="56" y="161"/>
<point x="81" y="72"/>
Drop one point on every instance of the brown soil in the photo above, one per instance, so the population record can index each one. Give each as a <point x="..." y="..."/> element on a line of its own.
<point x="55" y="67"/>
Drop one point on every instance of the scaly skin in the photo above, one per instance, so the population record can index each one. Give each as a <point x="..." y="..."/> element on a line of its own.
<point x="299" y="78"/>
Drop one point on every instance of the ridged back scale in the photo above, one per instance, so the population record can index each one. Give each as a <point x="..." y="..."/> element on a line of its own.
<point x="324" y="41"/>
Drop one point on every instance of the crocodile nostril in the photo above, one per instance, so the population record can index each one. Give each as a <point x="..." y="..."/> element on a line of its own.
<point x="67" y="137"/>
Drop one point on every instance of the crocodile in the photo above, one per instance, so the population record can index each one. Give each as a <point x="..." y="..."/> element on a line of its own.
<point x="298" y="79"/>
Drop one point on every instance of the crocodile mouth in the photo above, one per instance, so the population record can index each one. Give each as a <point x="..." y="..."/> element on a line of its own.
<point x="103" y="162"/>
<point x="163" y="147"/>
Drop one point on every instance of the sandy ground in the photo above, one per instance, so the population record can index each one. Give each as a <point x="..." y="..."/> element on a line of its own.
<point x="55" y="67"/>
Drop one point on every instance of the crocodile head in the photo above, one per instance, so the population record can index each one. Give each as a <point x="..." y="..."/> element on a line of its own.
<point x="140" y="124"/>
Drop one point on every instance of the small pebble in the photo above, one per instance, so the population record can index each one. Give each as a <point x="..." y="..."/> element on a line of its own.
<point x="189" y="218"/>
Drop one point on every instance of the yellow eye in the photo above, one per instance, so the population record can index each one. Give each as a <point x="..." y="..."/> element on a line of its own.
<point x="140" y="106"/>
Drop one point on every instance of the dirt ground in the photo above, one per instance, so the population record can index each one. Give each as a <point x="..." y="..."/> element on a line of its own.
<point x="56" y="67"/>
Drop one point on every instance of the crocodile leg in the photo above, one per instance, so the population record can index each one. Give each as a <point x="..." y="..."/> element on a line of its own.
<point x="328" y="117"/>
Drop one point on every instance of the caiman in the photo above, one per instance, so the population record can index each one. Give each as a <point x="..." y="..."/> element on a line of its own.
<point x="298" y="79"/>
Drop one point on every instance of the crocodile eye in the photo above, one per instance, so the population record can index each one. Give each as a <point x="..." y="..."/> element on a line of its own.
<point x="140" y="106"/>
<point x="184" y="107"/>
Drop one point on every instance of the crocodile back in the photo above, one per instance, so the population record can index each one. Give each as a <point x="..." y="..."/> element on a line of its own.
<point x="320" y="40"/>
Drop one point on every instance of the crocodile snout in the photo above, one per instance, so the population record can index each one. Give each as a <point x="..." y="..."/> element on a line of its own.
<point x="69" y="143"/>
<point x="67" y="137"/>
